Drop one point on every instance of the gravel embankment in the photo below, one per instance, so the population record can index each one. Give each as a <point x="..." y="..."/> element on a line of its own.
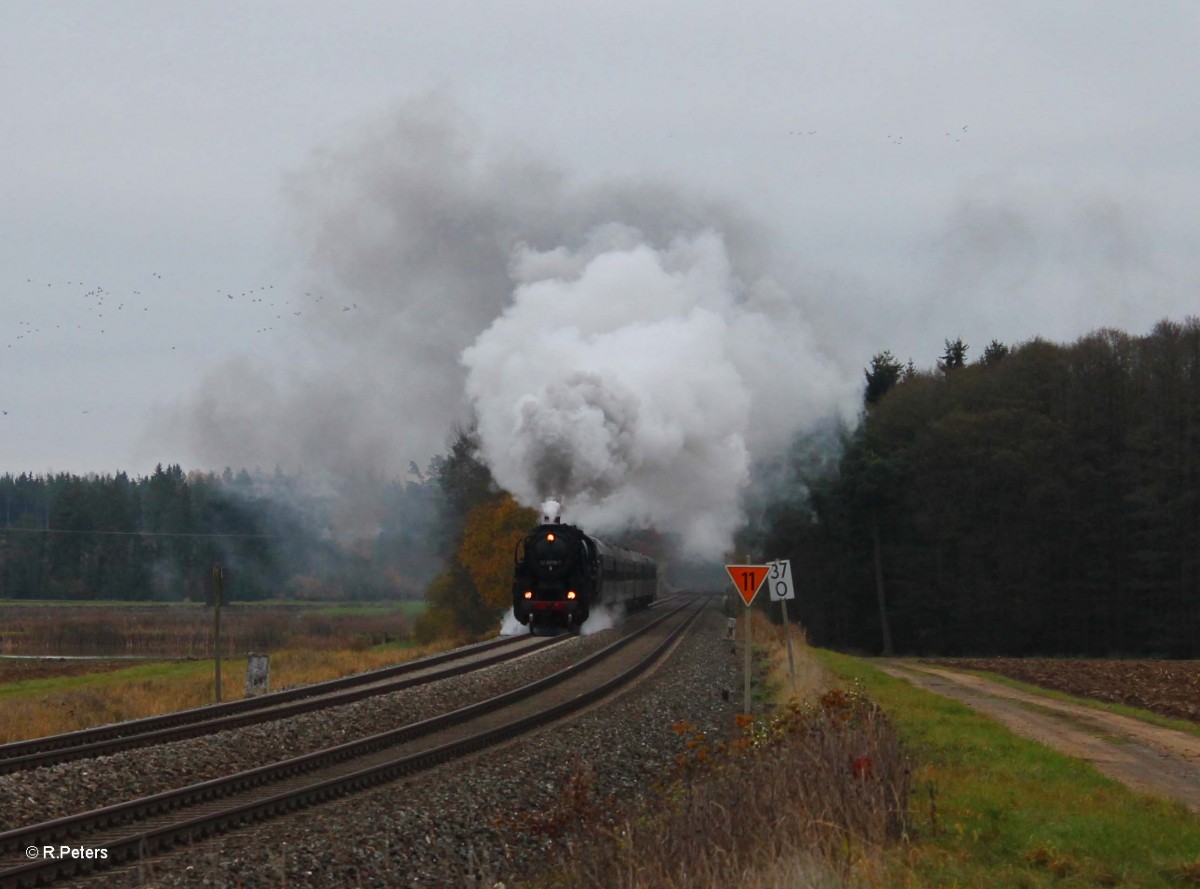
<point x="479" y="821"/>
<point x="55" y="791"/>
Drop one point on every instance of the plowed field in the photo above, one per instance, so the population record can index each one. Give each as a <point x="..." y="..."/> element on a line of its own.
<point x="1169" y="688"/>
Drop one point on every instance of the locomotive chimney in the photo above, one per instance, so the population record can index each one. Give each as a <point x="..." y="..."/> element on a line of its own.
<point x="551" y="512"/>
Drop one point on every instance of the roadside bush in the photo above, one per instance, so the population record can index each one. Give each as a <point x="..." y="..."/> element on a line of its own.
<point x="434" y="624"/>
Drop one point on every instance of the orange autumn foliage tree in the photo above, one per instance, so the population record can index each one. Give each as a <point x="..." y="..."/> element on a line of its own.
<point x="490" y="536"/>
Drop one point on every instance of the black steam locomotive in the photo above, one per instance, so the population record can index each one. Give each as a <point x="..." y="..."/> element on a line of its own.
<point x="562" y="574"/>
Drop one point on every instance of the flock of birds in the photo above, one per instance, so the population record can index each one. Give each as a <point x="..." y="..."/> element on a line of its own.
<point x="956" y="135"/>
<point x="96" y="310"/>
<point x="104" y="307"/>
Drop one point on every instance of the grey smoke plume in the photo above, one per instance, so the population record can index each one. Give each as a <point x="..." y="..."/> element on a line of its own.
<point x="410" y="227"/>
<point x="618" y="343"/>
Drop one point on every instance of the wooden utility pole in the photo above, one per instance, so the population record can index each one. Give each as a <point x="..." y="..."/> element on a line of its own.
<point x="218" y="582"/>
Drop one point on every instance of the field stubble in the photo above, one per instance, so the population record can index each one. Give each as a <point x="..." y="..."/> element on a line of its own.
<point x="1168" y="688"/>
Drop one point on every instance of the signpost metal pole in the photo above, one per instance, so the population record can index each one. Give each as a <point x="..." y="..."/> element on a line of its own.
<point x="780" y="580"/>
<point x="787" y="635"/>
<point x="749" y="667"/>
<point x="747" y="579"/>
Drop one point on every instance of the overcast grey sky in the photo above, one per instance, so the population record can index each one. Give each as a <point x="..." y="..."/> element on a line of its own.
<point x="180" y="180"/>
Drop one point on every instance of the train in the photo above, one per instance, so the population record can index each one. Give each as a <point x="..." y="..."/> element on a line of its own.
<point x="562" y="573"/>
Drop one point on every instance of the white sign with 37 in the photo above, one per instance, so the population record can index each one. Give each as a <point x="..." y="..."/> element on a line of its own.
<point x="779" y="581"/>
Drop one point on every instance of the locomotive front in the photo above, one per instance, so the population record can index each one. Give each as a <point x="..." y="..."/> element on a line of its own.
<point x="554" y="578"/>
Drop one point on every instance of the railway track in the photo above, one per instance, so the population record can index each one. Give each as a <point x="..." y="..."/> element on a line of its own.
<point x="144" y="827"/>
<point x="184" y="724"/>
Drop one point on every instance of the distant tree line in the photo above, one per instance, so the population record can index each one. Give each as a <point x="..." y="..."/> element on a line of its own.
<point x="157" y="537"/>
<point x="1043" y="499"/>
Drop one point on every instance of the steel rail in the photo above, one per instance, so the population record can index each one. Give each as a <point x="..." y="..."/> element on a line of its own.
<point x="139" y="845"/>
<point x="192" y="723"/>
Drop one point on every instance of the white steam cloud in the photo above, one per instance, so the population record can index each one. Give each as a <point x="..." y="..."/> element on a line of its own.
<point x="602" y="618"/>
<point x="510" y="626"/>
<point x="639" y="383"/>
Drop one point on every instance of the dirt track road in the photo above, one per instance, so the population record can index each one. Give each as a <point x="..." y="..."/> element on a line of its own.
<point x="1142" y="756"/>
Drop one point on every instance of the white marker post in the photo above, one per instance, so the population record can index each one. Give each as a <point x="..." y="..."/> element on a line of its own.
<point x="781" y="588"/>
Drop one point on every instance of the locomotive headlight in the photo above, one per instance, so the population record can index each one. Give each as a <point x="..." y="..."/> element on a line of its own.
<point x="570" y="594"/>
<point x="550" y="537"/>
<point x="529" y="594"/>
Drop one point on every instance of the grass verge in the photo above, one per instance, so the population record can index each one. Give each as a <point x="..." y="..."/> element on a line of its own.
<point x="37" y="707"/>
<point x="992" y="809"/>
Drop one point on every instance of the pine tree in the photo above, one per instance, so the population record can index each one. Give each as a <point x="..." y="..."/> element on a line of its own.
<point x="954" y="357"/>
<point x="994" y="353"/>
<point x="884" y="373"/>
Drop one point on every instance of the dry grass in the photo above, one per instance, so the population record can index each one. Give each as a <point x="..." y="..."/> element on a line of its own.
<point x="48" y="706"/>
<point x="301" y="666"/>
<point x="811" y="678"/>
<point x="808" y="796"/>
<point x="813" y="794"/>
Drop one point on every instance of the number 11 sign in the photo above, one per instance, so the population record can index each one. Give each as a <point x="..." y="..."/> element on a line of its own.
<point x="748" y="579"/>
